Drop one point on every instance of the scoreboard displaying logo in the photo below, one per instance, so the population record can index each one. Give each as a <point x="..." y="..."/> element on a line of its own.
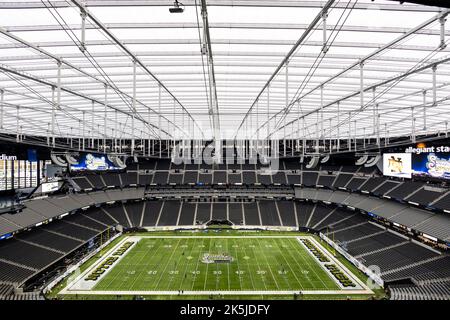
<point x="397" y="165"/>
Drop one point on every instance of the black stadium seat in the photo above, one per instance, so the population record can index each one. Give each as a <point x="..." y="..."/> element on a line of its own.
<point x="169" y="213"/>
<point x="187" y="214"/>
<point x="251" y="214"/>
<point x="342" y="180"/>
<point x="249" y="177"/>
<point x="203" y="213"/>
<point x="151" y="213"/>
<point x="269" y="213"/>
<point x="326" y="180"/>
<point x="405" y="189"/>
<point x="235" y="213"/>
<point x="310" y="179"/>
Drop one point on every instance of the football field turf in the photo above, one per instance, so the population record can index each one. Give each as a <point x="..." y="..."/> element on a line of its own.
<point x="236" y="264"/>
<point x="260" y="263"/>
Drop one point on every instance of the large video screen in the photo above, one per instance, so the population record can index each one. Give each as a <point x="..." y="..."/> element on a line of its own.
<point x="397" y="165"/>
<point x="93" y="162"/>
<point x="436" y="165"/>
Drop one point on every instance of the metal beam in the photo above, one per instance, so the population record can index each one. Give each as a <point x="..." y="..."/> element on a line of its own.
<point x="287" y="57"/>
<point x="224" y="25"/>
<point x="61" y="61"/>
<point x="213" y="102"/>
<point x="164" y="55"/>
<point x="235" y="3"/>
<point x="65" y="89"/>
<point x="369" y="56"/>
<point x="258" y="42"/>
<point x="382" y="83"/>
<point x="129" y="53"/>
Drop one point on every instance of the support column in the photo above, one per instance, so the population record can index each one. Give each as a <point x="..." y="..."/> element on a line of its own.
<point x="268" y="111"/>
<point x="304" y="136"/>
<point x="338" y="127"/>
<point x="92" y="125"/>
<point x="53" y="117"/>
<point x="257" y="127"/>
<point x="424" y="94"/>
<point x="48" y="133"/>
<point x="374" y="104"/>
<point x="321" y="115"/>
<point x="349" y="141"/>
<point x="378" y="125"/>
<point x="18" y="126"/>
<point x="434" y="84"/>
<point x="364" y="138"/>
<point x="442" y="44"/>
<point x="385" y="135"/>
<point x="286" y="108"/>
<point x="361" y="85"/>
<point x="159" y="119"/>
<point x="84" y="127"/>
<point x="134" y="108"/>
<point x="105" y="118"/>
<point x="83" y="31"/>
<point x="2" y="105"/>
<point x="115" y="130"/>
<point x="324" y="31"/>
<point x="58" y="100"/>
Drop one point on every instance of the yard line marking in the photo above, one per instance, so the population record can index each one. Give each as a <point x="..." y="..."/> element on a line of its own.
<point x="187" y="264"/>
<point x="194" y="277"/>
<point x="268" y="265"/>
<point x="249" y="269"/>
<point x="239" y="268"/>
<point x="304" y="260"/>
<point x="167" y="263"/>
<point x="289" y="265"/>
<point x="137" y="265"/>
<point x="157" y="254"/>
<point x="228" y="267"/>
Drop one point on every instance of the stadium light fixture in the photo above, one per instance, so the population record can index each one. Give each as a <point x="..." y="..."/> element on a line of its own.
<point x="178" y="7"/>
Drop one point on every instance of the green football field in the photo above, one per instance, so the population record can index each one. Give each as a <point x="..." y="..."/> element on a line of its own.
<point x="172" y="264"/>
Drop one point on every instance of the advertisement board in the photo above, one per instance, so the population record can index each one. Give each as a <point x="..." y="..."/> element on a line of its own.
<point x="397" y="165"/>
<point x="93" y="162"/>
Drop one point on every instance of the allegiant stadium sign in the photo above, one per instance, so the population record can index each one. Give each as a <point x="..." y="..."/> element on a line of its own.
<point x="6" y="157"/>
<point x="427" y="150"/>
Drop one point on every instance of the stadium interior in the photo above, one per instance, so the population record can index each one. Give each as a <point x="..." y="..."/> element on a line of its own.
<point x="216" y="118"/>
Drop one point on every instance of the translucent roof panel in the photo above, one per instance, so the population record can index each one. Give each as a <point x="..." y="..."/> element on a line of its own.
<point x="242" y="69"/>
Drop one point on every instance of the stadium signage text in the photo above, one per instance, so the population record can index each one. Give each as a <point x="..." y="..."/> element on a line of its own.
<point x="6" y="157"/>
<point x="427" y="149"/>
